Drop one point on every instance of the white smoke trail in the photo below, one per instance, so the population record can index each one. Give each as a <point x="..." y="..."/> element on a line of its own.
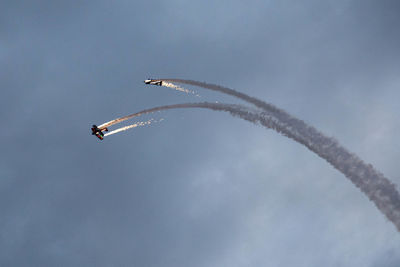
<point x="137" y="124"/>
<point x="166" y="84"/>
<point x="374" y="184"/>
<point x="124" y="118"/>
<point x="178" y="88"/>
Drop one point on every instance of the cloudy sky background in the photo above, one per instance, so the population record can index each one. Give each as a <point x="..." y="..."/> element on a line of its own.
<point x="200" y="188"/>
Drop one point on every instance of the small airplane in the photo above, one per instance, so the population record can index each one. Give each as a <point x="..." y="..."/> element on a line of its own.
<point x="153" y="82"/>
<point x="98" y="132"/>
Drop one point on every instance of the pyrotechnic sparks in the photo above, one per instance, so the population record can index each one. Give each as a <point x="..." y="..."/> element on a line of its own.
<point x="178" y="88"/>
<point x="137" y="124"/>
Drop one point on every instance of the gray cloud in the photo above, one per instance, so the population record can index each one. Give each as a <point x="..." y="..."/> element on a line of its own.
<point x="183" y="192"/>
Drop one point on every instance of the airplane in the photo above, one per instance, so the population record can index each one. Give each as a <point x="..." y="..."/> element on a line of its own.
<point x="153" y="82"/>
<point x="98" y="132"/>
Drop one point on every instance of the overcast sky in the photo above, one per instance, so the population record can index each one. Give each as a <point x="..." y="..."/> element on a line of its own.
<point x="200" y="188"/>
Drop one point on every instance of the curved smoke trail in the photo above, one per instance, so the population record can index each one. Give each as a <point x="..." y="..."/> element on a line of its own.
<point x="214" y="106"/>
<point x="374" y="184"/>
<point x="136" y="124"/>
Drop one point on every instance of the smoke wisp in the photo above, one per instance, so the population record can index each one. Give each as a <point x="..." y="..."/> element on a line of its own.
<point x="178" y="88"/>
<point x="137" y="124"/>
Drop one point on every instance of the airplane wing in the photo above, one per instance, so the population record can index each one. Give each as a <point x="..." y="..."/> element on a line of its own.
<point x="99" y="136"/>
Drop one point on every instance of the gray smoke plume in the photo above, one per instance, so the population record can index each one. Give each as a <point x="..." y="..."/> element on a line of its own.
<point x="232" y="108"/>
<point x="378" y="188"/>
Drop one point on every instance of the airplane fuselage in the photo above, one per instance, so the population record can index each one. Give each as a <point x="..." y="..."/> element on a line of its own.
<point x="153" y="82"/>
<point x="98" y="132"/>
